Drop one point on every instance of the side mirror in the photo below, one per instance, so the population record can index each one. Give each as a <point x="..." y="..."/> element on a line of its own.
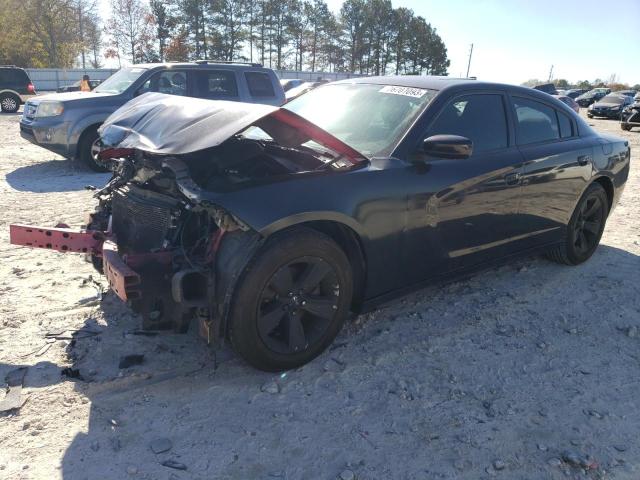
<point x="448" y="146"/>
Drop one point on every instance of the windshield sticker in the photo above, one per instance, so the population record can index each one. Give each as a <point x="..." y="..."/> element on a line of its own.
<point x="406" y="91"/>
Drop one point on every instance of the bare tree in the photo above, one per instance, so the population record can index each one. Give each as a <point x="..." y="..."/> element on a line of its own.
<point x="129" y="26"/>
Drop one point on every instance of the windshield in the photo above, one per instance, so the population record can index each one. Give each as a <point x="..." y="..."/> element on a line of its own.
<point x="120" y="81"/>
<point x="617" y="99"/>
<point x="369" y="118"/>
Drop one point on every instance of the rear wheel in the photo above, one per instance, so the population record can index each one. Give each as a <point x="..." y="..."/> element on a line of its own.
<point x="625" y="127"/>
<point x="585" y="228"/>
<point x="9" y="102"/>
<point x="89" y="148"/>
<point x="292" y="301"/>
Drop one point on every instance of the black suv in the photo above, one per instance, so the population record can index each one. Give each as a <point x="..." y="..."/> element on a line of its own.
<point x="15" y="88"/>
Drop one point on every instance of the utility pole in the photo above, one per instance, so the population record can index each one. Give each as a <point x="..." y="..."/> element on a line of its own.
<point x="81" y="31"/>
<point x="550" y="74"/>
<point x="469" y="64"/>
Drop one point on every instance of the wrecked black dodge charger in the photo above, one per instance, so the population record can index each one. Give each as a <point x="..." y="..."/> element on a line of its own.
<point x="268" y="225"/>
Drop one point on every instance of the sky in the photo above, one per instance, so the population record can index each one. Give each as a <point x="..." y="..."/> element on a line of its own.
<point x="517" y="40"/>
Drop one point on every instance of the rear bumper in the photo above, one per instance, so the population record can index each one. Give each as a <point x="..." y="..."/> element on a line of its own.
<point x="123" y="280"/>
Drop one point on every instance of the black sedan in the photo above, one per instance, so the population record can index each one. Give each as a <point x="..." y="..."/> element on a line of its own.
<point x="591" y="96"/>
<point x="269" y="225"/>
<point x="609" y="106"/>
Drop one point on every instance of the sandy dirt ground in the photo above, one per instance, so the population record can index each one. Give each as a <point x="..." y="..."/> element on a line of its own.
<point x="529" y="371"/>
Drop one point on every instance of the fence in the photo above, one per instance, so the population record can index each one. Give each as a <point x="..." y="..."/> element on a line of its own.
<point x="50" y="79"/>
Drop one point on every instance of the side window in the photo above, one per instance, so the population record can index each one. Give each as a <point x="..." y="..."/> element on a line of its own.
<point x="259" y="84"/>
<point x="536" y="122"/>
<point x="566" y="129"/>
<point x="168" y="81"/>
<point x="216" y="84"/>
<point x="481" y="118"/>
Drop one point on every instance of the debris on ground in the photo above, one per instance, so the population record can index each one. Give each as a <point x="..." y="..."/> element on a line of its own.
<point x="160" y="445"/>
<point x="174" y="464"/>
<point x="14" y="400"/>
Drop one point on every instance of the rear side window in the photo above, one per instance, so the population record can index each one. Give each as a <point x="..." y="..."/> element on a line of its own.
<point x="14" y="76"/>
<point x="480" y="118"/>
<point x="216" y="84"/>
<point x="536" y="122"/>
<point x="566" y="129"/>
<point x="259" y="84"/>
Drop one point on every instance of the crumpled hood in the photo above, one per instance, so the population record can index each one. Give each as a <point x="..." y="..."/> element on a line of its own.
<point x="170" y="124"/>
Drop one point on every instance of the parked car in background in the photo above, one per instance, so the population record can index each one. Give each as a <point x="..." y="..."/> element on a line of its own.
<point x="549" y="88"/>
<point x="75" y="86"/>
<point x="609" y="106"/>
<point x="289" y="83"/>
<point x="570" y="102"/>
<point x="630" y="116"/>
<point x="67" y="123"/>
<point x="628" y="93"/>
<point x="275" y="225"/>
<point x="637" y="96"/>
<point x="560" y="91"/>
<point x="575" y="92"/>
<point x="592" y="96"/>
<point x="15" y="88"/>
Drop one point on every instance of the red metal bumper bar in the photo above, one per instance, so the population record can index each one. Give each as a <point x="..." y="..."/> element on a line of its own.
<point x="60" y="239"/>
<point x="124" y="281"/>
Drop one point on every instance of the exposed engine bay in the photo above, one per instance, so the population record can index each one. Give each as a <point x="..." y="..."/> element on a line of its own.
<point x="159" y="234"/>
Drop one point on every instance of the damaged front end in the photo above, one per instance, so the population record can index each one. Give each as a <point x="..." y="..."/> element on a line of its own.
<point x="159" y="234"/>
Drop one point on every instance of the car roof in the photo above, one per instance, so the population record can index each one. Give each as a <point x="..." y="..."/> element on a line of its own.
<point x="226" y="66"/>
<point x="444" y="83"/>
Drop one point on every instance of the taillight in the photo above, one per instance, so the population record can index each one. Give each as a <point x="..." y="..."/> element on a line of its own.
<point x="31" y="88"/>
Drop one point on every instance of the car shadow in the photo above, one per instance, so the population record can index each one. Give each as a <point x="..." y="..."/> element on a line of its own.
<point x="346" y="406"/>
<point x="55" y="176"/>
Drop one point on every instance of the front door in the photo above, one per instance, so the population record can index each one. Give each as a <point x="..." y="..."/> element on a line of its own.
<point x="464" y="212"/>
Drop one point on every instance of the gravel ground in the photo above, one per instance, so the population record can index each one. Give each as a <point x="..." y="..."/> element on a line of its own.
<point x="529" y="371"/>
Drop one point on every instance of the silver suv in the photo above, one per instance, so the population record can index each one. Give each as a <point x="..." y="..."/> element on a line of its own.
<point x="67" y="123"/>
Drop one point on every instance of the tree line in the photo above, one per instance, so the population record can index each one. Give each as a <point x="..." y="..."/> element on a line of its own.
<point x="611" y="82"/>
<point x="51" y="33"/>
<point x="365" y="36"/>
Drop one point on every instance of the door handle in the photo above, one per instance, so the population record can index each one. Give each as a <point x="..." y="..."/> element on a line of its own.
<point x="584" y="160"/>
<point x="512" y="179"/>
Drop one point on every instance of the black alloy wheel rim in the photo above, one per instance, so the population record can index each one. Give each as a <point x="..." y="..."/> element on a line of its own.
<point x="586" y="231"/>
<point x="297" y="305"/>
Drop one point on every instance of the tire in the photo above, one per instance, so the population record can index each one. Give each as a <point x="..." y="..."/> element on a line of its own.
<point x="585" y="228"/>
<point x="9" y="102"/>
<point x="291" y="301"/>
<point x="626" y="128"/>
<point x="590" y="116"/>
<point x="88" y="142"/>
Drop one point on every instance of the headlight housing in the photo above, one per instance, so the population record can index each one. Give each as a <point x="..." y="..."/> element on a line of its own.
<point x="49" y="109"/>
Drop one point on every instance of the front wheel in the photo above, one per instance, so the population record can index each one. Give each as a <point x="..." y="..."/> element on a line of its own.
<point x="585" y="228"/>
<point x="625" y="127"/>
<point x="292" y="300"/>
<point x="89" y="148"/>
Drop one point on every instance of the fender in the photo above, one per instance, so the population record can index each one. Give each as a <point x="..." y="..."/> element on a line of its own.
<point x="77" y="129"/>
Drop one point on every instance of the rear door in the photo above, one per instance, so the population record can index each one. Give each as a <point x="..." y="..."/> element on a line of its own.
<point x="218" y="84"/>
<point x="556" y="170"/>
